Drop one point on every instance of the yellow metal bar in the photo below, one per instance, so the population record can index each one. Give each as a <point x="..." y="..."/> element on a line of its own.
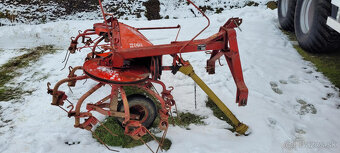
<point x="240" y="127"/>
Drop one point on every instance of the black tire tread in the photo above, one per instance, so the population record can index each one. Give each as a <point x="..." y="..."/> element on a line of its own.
<point x="321" y="38"/>
<point x="287" y="23"/>
<point x="137" y="97"/>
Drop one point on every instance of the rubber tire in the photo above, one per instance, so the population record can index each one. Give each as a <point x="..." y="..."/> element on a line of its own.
<point x="320" y="38"/>
<point x="147" y="103"/>
<point x="287" y="22"/>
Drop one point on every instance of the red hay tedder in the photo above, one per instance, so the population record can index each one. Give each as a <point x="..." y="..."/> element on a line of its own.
<point x="122" y="56"/>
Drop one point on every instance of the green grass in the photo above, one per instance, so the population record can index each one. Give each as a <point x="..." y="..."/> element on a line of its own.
<point x="122" y="139"/>
<point x="327" y="63"/>
<point x="218" y="113"/>
<point x="185" y="119"/>
<point x="290" y="35"/>
<point x="125" y="141"/>
<point x="9" y="71"/>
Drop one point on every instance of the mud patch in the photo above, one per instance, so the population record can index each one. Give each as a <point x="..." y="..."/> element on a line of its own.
<point x="272" y="5"/>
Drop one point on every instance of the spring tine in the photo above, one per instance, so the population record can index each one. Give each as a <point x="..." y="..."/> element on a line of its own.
<point x="172" y="118"/>
<point x="146" y="145"/>
<point x="178" y="116"/>
<point x="63" y="109"/>
<point x="107" y="129"/>
<point x="154" y="88"/>
<point x="162" y="140"/>
<point x="69" y="102"/>
<point x="85" y="81"/>
<point x="70" y="89"/>
<point x="152" y="136"/>
<point x="67" y="52"/>
<point x="101" y="141"/>
<point x="66" y="62"/>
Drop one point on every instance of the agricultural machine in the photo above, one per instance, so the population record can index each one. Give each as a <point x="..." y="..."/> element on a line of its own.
<point x="121" y="56"/>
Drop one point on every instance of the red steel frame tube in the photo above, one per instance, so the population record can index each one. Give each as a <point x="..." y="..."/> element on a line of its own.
<point x="81" y="100"/>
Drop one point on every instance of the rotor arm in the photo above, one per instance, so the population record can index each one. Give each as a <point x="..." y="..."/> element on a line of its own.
<point x="74" y="42"/>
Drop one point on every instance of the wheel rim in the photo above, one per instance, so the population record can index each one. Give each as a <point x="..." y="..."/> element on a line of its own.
<point x="306" y="17"/>
<point x="284" y="7"/>
<point x="141" y="111"/>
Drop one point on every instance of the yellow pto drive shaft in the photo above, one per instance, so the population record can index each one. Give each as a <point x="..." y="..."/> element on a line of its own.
<point x="240" y="127"/>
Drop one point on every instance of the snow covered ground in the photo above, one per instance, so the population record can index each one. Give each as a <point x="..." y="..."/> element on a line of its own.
<point x="37" y="11"/>
<point x="303" y="117"/>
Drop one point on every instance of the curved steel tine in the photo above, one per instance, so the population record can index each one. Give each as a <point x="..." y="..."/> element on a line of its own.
<point x="101" y="141"/>
<point x="48" y="85"/>
<point x="85" y="81"/>
<point x="66" y="62"/>
<point x="70" y="89"/>
<point x="67" y="52"/>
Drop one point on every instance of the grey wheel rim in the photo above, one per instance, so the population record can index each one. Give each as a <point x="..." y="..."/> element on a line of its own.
<point x="306" y="15"/>
<point x="284" y="7"/>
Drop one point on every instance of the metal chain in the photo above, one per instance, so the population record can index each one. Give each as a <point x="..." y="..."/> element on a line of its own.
<point x="195" y="95"/>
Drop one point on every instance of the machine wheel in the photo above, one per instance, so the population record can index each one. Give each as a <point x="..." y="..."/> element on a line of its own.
<point x="311" y="29"/>
<point x="142" y="106"/>
<point x="286" y="10"/>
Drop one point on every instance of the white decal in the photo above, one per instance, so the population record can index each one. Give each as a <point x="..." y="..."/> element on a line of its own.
<point x="135" y="45"/>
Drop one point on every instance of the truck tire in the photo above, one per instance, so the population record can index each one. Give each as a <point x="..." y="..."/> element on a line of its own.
<point x="286" y="11"/>
<point x="312" y="32"/>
